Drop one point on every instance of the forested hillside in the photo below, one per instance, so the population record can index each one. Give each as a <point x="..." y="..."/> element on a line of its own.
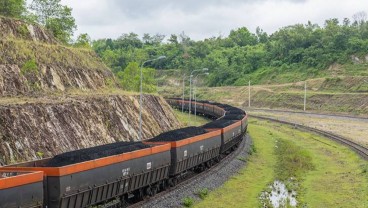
<point x="290" y="54"/>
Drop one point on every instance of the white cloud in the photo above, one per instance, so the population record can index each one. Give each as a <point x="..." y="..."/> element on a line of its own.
<point x="202" y="19"/>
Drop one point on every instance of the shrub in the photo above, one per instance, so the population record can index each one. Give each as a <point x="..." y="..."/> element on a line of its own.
<point x="29" y="67"/>
<point x="203" y="193"/>
<point x="188" y="201"/>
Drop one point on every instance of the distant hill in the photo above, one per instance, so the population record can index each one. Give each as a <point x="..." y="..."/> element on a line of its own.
<point x="293" y="53"/>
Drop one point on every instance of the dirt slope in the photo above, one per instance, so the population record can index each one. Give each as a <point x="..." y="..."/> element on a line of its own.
<point x="55" y="99"/>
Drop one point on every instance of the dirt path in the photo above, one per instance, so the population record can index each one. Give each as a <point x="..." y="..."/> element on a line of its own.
<point x="351" y="128"/>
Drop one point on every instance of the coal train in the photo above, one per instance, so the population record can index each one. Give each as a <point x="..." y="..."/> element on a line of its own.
<point x="115" y="173"/>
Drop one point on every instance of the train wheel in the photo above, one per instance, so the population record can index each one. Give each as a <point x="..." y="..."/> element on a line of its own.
<point x="208" y="164"/>
<point x="218" y="159"/>
<point x="149" y="191"/>
<point x="139" y="194"/>
<point x="155" y="190"/>
<point x="164" y="185"/>
<point x="173" y="182"/>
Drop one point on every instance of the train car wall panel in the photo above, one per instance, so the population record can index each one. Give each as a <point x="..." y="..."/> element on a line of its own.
<point x="107" y="182"/>
<point x="25" y="190"/>
<point x="190" y="155"/>
<point x="218" y="112"/>
<point x="199" y="108"/>
<point x="30" y="195"/>
<point x="208" y="109"/>
<point x="231" y="136"/>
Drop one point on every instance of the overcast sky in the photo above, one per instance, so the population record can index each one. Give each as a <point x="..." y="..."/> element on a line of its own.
<point x="201" y="19"/>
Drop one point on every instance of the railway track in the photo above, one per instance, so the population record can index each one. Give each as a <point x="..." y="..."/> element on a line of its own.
<point x="195" y="176"/>
<point x="362" y="151"/>
<point x="307" y="113"/>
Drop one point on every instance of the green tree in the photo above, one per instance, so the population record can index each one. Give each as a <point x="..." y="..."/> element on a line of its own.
<point x="55" y="17"/>
<point x="83" y="40"/>
<point x="12" y="8"/>
<point x="130" y="78"/>
<point x="242" y="37"/>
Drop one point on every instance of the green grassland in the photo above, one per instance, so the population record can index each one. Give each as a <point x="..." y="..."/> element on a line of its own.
<point x="19" y="52"/>
<point x="185" y="120"/>
<point x="326" y="174"/>
<point x="343" y="95"/>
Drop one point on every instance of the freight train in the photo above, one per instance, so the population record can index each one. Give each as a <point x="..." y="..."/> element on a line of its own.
<point x="115" y="173"/>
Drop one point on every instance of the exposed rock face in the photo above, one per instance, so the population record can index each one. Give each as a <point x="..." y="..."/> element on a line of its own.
<point x="31" y="62"/>
<point x="35" y="123"/>
<point x="21" y="30"/>
<point x="31" y="130"/>
<point x="50" y="78"/>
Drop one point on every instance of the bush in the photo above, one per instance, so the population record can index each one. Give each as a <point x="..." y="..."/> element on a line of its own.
<point x="29" y="67"/>
<point x="188" y="201"/>
<point x="203" y="193"/>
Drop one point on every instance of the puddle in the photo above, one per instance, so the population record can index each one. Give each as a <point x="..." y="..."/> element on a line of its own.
<point x="278" y="196"/>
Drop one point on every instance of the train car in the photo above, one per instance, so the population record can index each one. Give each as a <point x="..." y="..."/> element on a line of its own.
<point x="139" y="169"/>
<point x="191" y="149"/>
<point x="243" y="118"/>
<point x="218" y="111"/>
<point x="231" y="133"/>
<point x="21" y="189"/>
<point x="198" y="108"/>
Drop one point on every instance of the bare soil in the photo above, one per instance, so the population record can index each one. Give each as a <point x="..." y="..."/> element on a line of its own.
<point x="354" y="129"/>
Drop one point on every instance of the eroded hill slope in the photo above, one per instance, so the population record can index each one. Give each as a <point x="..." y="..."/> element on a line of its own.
<point x="55" y="99"/>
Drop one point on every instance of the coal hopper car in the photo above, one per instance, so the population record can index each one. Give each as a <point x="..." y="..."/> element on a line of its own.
<point x="21" y="189"/>
<point x="95" y="175"/>
<point x="192" y="149"/>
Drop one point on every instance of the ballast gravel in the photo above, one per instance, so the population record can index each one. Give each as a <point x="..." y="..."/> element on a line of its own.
<point x="212" y="179"/>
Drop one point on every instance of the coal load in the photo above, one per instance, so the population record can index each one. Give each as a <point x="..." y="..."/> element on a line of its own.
<point x="202" y="101"/>
<point x="93" y="153"/>
<point x="221" y="123"/>
<point x="179" y="134"/>
<point x="225" y="106"/>
<point x="235" y="111"/>
<point x="233" y="117"/>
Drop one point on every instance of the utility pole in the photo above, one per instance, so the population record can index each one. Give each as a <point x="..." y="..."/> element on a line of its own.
<point x="249" y="94"/>
<point x="305" y="95"/>
<point x="182" y="103"/>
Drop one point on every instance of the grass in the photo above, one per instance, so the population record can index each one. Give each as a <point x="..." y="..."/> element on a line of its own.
<point x="243" y="189"/>
<point x="328" y="174"/>
<point x="18" y="51"/>
<point x="192" y="121"/>
<point x="345" y="95"/>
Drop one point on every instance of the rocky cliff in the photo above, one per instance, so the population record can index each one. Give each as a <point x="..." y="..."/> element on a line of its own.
<point x="55" y="99"/>
<point x="31" y="62"/>
<point x="34" y="130"/>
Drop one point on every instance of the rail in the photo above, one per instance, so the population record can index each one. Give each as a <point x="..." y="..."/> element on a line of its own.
<point x="361" y="150"/>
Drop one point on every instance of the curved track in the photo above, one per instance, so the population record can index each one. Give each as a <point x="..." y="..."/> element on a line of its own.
<point x="306" y="113"/>
<point x="362" y="151"/>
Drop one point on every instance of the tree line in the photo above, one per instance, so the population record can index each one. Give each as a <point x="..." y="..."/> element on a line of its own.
<point x="308" y="48"/>
<point x="304" y="47"/>
<point x="51" y="14"/>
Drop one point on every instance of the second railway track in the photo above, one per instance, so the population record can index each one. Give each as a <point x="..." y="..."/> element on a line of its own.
<point x="361" y="150"/>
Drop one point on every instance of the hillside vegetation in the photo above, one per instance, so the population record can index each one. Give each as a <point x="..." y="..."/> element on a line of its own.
<point x="341" y="94"/>
<point x="292" y="53"/>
